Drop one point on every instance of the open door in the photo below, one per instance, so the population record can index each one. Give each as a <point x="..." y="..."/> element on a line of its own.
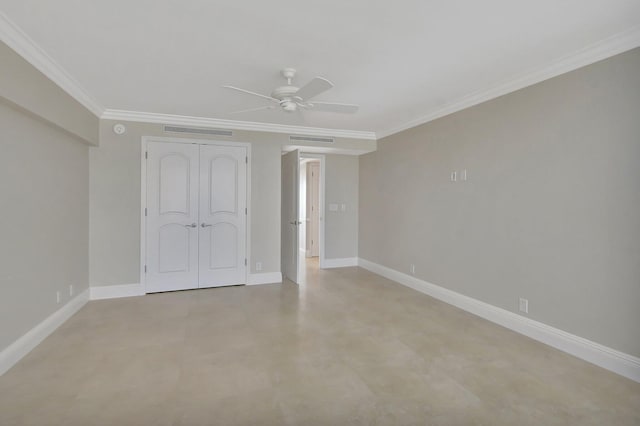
<point x="289" y="214"/>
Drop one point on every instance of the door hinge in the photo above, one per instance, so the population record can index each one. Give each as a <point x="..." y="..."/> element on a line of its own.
<point x="246" y="160"/>
<point x="145" y="211"/>
<point x="146" y="155"/>
<point x="145" y="269"/>
<point x="245" y="262"/>
<point x="245" y="211"/>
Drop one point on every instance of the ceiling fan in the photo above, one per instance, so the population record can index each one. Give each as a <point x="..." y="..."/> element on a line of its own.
<point x="291" y="98"/>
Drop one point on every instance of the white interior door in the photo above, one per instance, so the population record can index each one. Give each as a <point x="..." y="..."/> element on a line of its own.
<point x="223" y="215"/>
<point x="289" y="214"/>
<point x="172" y="217"/>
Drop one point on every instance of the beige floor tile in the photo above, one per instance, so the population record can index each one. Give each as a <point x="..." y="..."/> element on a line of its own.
<point x="130" y="406"/>
<point x="215" y="380"/>
<point x="346" y="347"/>
<point x="251" y="408"/>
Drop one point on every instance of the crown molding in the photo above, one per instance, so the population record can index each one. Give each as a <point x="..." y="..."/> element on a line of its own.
<point x="595" y="52"/>
<point x="155" y="118"/>
<point x="18" y="40"/>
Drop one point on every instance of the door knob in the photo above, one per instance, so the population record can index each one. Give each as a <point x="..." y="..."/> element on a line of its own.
<point x="295" y="222"/>
<point x="204" y="225"/>
<point x="193" y="225"/>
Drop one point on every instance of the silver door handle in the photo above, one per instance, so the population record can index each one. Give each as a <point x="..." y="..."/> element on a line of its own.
<point x="295" y="222"/>
<point x="193" y="225"/>
<point x="204" y="225"/>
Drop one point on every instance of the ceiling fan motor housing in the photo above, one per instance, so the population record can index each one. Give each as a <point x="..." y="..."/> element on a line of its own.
<point x="287" y="98"/>
<point x="289" y="106"/>
<point x="284" y="92"/>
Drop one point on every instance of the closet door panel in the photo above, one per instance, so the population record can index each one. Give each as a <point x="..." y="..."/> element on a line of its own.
<point x="223" y="218"/>
<point x="172" y="216"/>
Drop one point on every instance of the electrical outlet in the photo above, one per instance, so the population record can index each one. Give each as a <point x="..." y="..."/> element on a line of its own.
<point x="412" y="268"/>
<point x="71" y="290"/>
<point x="524" y="305"/>
<point x="57" y="297"/>
<point x="258" y="266"/>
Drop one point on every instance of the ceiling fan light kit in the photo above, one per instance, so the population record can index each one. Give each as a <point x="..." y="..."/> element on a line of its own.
<point x="291" y="98"/>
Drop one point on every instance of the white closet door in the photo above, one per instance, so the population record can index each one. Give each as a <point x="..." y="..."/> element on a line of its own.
<point x="223" y="217"/>
<point x="172" y="217"/>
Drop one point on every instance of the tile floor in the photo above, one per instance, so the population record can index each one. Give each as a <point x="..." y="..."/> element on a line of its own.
<point x="347" y="348"/>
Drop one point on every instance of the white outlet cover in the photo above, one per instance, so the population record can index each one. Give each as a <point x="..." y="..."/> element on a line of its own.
<point x="524" y="305"/>
<point x="333" y="207"/>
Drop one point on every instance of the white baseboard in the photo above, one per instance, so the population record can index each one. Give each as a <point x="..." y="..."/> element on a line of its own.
<point x="613" y="360"/>
<point x="25" y="344"/>
<point x="116" y="291"/>
<point x="264" y="278"/>
<point x="340" y="263"/>
<point x="130" y="290"/>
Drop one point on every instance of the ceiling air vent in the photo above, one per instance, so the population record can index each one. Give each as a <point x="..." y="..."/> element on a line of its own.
<point x="216" y="132"/>
<point x="311" y="139"/>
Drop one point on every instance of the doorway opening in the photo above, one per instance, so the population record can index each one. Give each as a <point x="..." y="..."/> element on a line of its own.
<point x="310" y="213"/>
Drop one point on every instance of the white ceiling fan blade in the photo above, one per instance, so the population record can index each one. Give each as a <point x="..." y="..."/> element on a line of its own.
<point x="314" y="88"/>
<point x="334" y="107"/>
<point x="253" y="109"/>
<point x="248" y="92"/>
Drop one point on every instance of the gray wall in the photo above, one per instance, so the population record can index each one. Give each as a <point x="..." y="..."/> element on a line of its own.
<point x="44" y="189"/>
<point x="115" y="200"/>
<point x="551" y="210"/>
<point x="26" y="87"/>
<point x="341" y="228"/>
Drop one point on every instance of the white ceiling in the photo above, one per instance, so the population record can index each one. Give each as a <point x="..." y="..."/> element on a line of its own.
<point x="401" y="61"/>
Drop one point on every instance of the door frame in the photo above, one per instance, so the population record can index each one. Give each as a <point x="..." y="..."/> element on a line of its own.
<point x="143" y="196"/>
<point x="321" y="184"/>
